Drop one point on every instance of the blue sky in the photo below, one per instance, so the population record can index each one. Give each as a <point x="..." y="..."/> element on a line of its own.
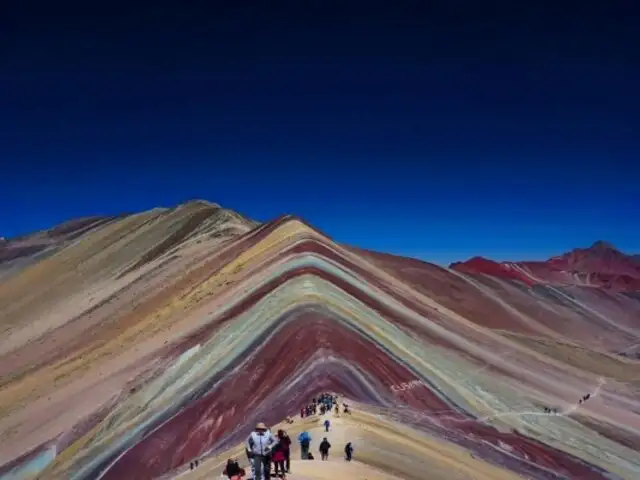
<point x="440" y="133"/>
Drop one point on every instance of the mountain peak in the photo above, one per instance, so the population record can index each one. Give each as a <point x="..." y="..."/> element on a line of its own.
<point x="199" y="201"/>
<point x="602" y="245"/>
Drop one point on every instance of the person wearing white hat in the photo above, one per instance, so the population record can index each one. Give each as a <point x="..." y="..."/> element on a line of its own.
<point x="260" y="444"/>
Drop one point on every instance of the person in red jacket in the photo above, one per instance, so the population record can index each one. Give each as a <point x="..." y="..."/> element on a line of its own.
<point x="285" y="442"/>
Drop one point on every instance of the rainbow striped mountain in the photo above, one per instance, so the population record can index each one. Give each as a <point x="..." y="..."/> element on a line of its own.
<point x="133" y="345"/>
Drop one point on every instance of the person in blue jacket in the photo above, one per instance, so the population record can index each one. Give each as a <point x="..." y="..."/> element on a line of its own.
<point x="327" y="424"/>
<point x="304" y="439"/>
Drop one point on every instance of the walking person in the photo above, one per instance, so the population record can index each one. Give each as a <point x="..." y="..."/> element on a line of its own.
<point x="260" y="444"/>
<point x="324" y="449"/>
<point x="285" y="442"/>
<point x="304" y="439"/>
<point x="278" y="460"/>
<point x="327" y="424"/>
<point x="348" y="451"/>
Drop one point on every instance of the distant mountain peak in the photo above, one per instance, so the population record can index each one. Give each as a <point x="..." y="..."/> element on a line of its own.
<point x="602" y="245"/>
<point x="199" y="201"/>
<point x="601" y="264"/>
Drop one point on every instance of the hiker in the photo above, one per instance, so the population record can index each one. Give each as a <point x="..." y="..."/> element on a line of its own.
<point x="348" y="450"/>
<point x="305" y="441"/>
<point x="285" y="441"/>
<point x="346" y="409"/>
<point x="327" y="423"/>
<point x="278" y="460"/>
<point x="337" y="409"/>
<point x="302" y="412"/>
<point x="233" y="470"/>
<point x="324" y="448"/>
<point x="191" y="465"/>
<point x="260" y="444"/>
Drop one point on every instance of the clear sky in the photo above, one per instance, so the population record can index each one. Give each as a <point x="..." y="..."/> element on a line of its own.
<point x="442" y="132"/>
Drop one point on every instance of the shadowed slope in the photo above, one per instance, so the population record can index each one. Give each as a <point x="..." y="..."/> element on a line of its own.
<point x="179" y="354"/>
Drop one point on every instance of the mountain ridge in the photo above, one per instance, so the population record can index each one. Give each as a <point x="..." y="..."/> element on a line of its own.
<point x="600" y="265"/>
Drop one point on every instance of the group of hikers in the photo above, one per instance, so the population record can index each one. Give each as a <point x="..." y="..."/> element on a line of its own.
<point x="264" y="449"/>
<point x="324" y="403"/>
<point x="582" y="399"/>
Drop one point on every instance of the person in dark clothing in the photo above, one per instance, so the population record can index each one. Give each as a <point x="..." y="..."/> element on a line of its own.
<point x="233" y="469"/>
<point x="348" y="451"/>
<point x="191" y="465"/>
<point x="310" y="456"/>
<point x="327" y="424"/>
<point x="285" y="442"/>
<point x="324" y="449"/>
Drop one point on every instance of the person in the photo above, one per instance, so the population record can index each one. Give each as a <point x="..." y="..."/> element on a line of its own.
<point x="285" y="441"/>
<point x="304" y="439"/>
<point x="310" y="456"/>
<point x="324" y="448"/>
<point x="260" y="443"/>
<point x="327" y="423"/>
<point x="278" y="460"/>
<point x="337" y="409"/>
<point x="348" y="451"/>
<point x="233" y="470"/>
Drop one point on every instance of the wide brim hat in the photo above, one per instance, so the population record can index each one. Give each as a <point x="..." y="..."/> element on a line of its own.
<point x="261" y="426"/>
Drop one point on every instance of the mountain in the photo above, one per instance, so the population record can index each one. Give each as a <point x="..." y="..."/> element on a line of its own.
<point x="195" y="218"/>
<point x="601" y="265"/>
<point x="143" y="342"/>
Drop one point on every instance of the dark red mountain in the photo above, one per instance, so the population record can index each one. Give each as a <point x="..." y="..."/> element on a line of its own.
<point x="601" y="265"/>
